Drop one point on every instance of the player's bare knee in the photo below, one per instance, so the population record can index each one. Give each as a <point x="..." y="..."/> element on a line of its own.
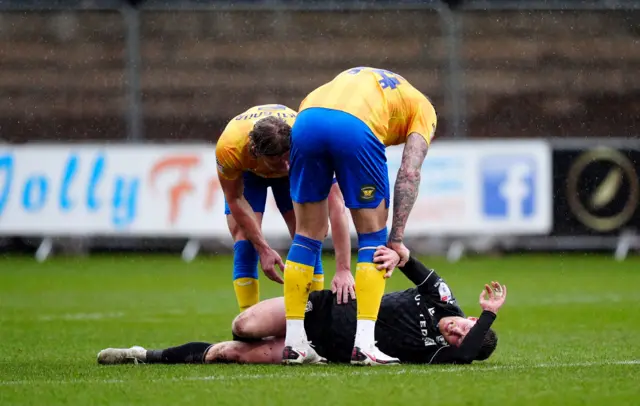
<point x="241" y="325"/>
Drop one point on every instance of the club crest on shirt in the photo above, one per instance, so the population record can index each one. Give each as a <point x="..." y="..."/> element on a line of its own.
<point x="444" y="291"/>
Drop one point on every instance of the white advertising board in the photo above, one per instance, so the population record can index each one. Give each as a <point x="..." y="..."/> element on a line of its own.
<point x="471" y="187"/>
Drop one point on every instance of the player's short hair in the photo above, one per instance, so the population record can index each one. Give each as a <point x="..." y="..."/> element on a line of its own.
<point x="270" y="136"/>
<point x="489" y="345"/>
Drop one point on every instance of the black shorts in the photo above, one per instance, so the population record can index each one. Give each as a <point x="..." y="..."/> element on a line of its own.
<point x="331" y="327"/>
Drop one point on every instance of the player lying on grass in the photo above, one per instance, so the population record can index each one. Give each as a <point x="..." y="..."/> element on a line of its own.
<point x="252" y="154"/>
<point x="423" y="324"/>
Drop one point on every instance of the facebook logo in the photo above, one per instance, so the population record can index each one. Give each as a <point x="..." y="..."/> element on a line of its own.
<point x="508" y="186"/>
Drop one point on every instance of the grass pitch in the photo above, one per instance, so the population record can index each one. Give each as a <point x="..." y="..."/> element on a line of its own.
<point x="569" y="334"/>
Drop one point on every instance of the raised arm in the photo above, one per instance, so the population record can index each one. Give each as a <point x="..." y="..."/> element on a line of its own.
<point x="406" y="191"/>
<point x="471" y="346"/>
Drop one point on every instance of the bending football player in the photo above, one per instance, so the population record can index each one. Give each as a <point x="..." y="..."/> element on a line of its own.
<point x="252" y="155"/>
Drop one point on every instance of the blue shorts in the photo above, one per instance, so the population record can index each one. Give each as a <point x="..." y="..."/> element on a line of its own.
<point x="324" y="142"/>
<point x="255" y="191"/>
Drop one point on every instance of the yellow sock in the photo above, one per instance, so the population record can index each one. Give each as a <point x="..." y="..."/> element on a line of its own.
<point x="297" y="286"/>
<point x="247" y="292"/>
<point x="370" y="285"/>
<point x="317" y="283"/>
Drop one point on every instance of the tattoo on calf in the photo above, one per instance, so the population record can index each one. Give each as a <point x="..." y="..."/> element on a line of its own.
<point x="407" y="184"/>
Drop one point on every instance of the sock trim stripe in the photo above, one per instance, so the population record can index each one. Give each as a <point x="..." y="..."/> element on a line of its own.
<point x="425" y="279"/>
<point x="303" y="246"/>
<point x="367" y="248"/>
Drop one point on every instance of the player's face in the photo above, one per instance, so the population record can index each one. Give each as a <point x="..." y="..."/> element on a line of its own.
<point x="455" y="329"/>
<point x="278" y="163"/>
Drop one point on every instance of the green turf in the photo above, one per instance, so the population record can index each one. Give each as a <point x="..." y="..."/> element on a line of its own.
<point x="569" y="323"/>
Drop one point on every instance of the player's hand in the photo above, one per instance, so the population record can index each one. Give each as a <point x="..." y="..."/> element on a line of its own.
<point x="269" y="258"/>
<point x="343" y="286"/>
<point x="402" y="251"/>
<point x="386" y="258"/>
<point x="493" y="296"/>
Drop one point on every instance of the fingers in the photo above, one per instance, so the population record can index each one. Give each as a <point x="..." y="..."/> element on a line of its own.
<point x="388" y="274"/>
<point x="352" y="292"/>
<point x="403" y="261"/>
<point x="273" y="275"/>
<point x="276" y="277"/>
<point x="497" y="289"/>
<point x="489" y="291"/>
<point x="345" y="294"/>
<point x="339" y="291"/>
<point x="385" y="262"/>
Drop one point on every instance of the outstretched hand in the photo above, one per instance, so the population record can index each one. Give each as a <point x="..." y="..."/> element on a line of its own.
<point x="492" y="297"/>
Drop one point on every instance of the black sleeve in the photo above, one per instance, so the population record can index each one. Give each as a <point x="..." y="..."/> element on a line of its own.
<point x="467" y="352"/>
<point x="416" y="271"/>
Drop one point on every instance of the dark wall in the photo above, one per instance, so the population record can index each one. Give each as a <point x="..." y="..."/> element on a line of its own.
<point x="525" y="74"/>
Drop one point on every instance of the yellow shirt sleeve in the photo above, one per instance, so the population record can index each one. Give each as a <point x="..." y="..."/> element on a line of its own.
<point x="423" y="121"/>
<point x="227" y="162"/>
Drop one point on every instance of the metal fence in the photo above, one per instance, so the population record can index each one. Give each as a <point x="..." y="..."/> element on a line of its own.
<point x="177" y="70"/>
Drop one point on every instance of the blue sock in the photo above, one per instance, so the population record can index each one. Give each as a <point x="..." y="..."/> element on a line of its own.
<point x="367" y="244"/>
<point x="245" y="260"/>
<point x="318" y="270"/>
<point x="317" y="283"/>
<point x="245" y="274"/>
<point x="304" y="250"/>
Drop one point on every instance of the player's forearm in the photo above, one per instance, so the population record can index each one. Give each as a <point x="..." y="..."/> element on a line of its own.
<point x="415" y="271"/>
<point x="340" y="233"/>
<point x="246" y="219"/>
<point x="404" y="197"/>
<point x="407" y="184"/>
<point x="471" y="344"/>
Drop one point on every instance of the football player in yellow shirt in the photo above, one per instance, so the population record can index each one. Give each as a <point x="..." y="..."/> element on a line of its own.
<point x="252" y="154"/>
<point x="343" y="127"/>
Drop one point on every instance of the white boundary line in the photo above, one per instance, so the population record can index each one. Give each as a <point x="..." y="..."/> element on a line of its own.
<point x="389" y="370"/>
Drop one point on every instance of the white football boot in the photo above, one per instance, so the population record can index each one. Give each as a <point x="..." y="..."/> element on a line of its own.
<point x="112" y="356"/>
<point x="371" y="356"/>
<point x="301" y="354"/>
